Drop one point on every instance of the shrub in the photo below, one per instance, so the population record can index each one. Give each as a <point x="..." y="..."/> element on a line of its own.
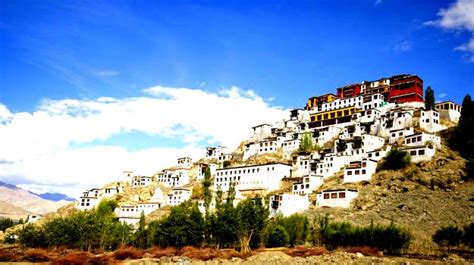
<point x="163" y="252"/>
<point x="297" y="227"/>
<point x="32" y="236"/>
<point x="74" y="258"/>
<point x="468" y="238"/>
<point x="367" y="251"/>
<point x="396" y="159"/>
<point x="448" y="236"/>
<point x="278" y="237"/>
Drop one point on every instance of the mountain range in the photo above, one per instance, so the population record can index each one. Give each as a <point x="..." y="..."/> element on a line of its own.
<point x="18" y="203"/>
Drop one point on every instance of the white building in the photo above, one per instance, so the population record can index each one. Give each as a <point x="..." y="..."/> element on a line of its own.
<point x="202" y="167"/>
<point x="429" y="121"/>
<point x="419" y="153"/>
<point x="261" y="132"/>
<point x="307" y="185"/>
<point x="422" y="139"/>
<point x="109" y="192"/>
<point x="87" y="202"/>
<point x="449" y="110"/>
<point x="291" y="145"/>
<point x="141" y="181"/>
<point x="136" y="210"/>
<point x="286" y="204"/>
<point x="185" y="162"/>
<point x="215" y="152"/>
<point x="378" y="154"/>
<point x="336" y="198"/>
<point x="178" y="196"/>
<point x="173" y="177"/>
<point x="33" y="218"/>
<point x="258" y="177"/>
<point x="326" y="134"/>
<point x="399" y="135"/>
<point x="358" y="171"/>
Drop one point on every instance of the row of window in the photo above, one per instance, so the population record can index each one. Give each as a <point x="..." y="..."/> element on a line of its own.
<point x="333" y="114"/>
<point x="356" y="172"/>
<point x="242" y="171"/>
<point x="334" y="195"/>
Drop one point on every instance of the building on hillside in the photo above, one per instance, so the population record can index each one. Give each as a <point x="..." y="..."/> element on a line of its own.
<point x="291" y="145"/>
<point x="315" y="102"/>
<point x="224" y="157"/>
<point x="202" y="168"/>
<point x="332" y="117"/>
<point x="88" y="200"/>
<point x="419" y="153"/>
<point x="406" y="88"/>
<point x="398" y="136"/>
<point x="307" y="184"/>
<point x="215" y="151"/>
<point x="261" y="132"/>
<point x="173" y="177"/>
<point x="202" y="207"/>
<point x="324" y="135"/>
<point x="422" y="139"/>
<point x="348" y="91"/>
<point x="33" y="218"/>
<point x="449" y="110"/>
<point x="381" y="86"/>
<point x="110" y="192"/>
<point x="428" y="120"/>
<point x="286" y="204"/>
<point x="136" y="210"/>
<point x="185" y="162"/>
<point x="178" y="196"/>
<point x="141" y="181"/>
<point x="378" y="154"/>
<point x="258" y="177"/>
<point x="358" y="171"/>
<point x="336" y="198"/>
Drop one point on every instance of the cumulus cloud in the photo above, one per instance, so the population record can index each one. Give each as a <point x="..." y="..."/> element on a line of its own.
<point x="55" y="145"/>
<point x="403" y="46"/>
<point x="108" y="73"/>
<point x="459" y="16"/>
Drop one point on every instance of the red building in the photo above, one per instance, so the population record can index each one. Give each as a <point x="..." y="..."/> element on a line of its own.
<point x="348" y="91"/>
<point x="405" y="88"/>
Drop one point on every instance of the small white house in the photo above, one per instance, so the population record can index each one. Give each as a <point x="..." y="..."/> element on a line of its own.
<point x="215" y="151"/>
<point x="378" y="154"/>
<point x="307" y="185"/>
<point x="336" y="198"/>
<point x="422" y="139"/>
<point x="429" y="121"/>
<point x="202" y="168"/>
<point x="395" y="135"/>
<point x="419" y="153"/>
<point x="185" y="162"/>
<point x="261" y="131"/>
<point x="291" y="145"/>
<point x="173" y="177"/>
<point x="286" y="204"/>
<point x="141" y="181"/>
<point x="359" y="171"/>
<point x="33" y="218"/>
<point x="109" y="192"/>
<point x="449" y="110"/>
<point x="87" y="203"/>
<point x="178" y="196"/>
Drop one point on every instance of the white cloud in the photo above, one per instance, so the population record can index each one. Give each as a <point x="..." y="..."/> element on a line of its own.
<point x="458" y="16"/>
<point x="403" y="46"/>
<point x="378" y="2"/>
<point x="442" y="95"/>
<point x="39" y="145"/>
<point x="108" y="73"/>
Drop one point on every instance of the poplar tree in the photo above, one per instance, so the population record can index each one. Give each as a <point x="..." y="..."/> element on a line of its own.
<point x="429" y="98"/>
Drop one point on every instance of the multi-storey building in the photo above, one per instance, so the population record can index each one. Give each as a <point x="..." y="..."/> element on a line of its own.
<point x="449" y="110"/>
<point x="265" y="177"/>
<point x="336" y="198"/>
<point x="286" y="204"/>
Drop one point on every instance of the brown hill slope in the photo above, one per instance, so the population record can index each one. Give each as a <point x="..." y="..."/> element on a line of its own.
<point x="421" y="198"/>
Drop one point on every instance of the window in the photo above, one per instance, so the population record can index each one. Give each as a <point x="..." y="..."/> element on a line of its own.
<point x="334" y="195"/>
<point x="349" y="172"/>
<point x="413" y="153"/>
<point x="342" y="195"/>
<point x="357" y="172"/>
<point x="326" y="196"/>
<point x="421" y="152"/>
<point x="363" y="171"/>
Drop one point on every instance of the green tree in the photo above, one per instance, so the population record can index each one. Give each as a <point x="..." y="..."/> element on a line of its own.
<point x="207" y="188"/>
<point x="297" y="227"/>
<point x="396" y="159"/>
<point x="32" y="236"/>
<point x="448" y="236"/>
<point x="5" y="223"/>
<point x="278" y="237"/>
<point x="252" y="216"/>
<point x="306" y="143"/>
<point x="429" y="98"/>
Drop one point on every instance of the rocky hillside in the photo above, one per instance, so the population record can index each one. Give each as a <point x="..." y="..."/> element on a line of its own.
<point x="422" y="197"/>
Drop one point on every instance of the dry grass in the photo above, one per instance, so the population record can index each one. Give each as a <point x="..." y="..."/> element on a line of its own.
<point x="199" y="253"/>
<point x="163" y="252"/>
<point x="8" y="256"/>
<point x="124" y="253"/>
<point x="36" y="255"/>
<point x="73" y="258"/>
<point x="367" y="251"/>
<point x="301" y="251"/>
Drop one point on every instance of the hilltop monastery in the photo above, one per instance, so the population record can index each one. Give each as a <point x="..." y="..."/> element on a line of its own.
<point x="353" y="130"/>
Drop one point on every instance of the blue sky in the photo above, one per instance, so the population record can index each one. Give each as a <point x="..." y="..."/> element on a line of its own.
<point x="74" y="73"/>
<point x="288" y="50"/>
